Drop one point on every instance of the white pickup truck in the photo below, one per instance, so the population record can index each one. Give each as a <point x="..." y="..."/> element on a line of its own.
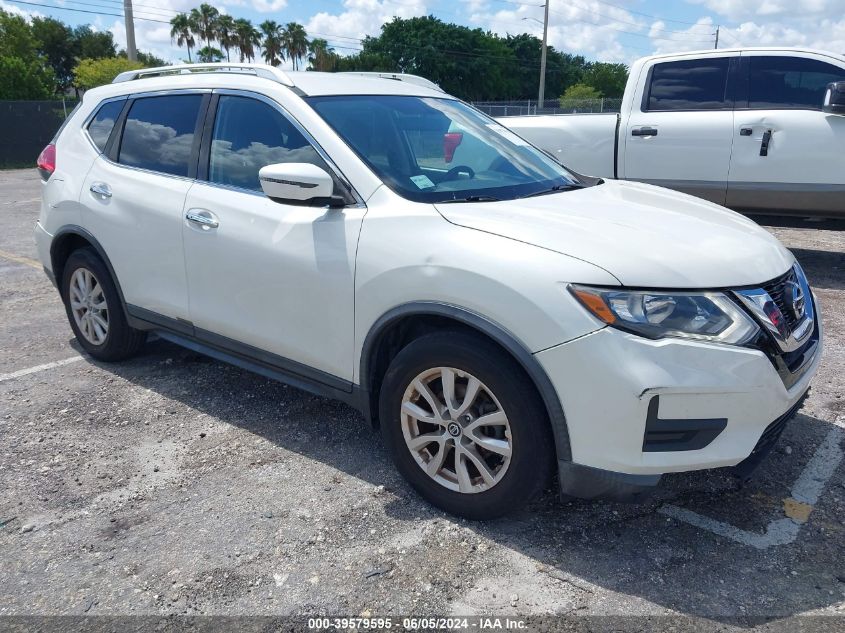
<point x="759" y="130"/>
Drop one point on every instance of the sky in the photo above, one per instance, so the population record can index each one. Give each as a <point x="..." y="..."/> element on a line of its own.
<point x="604" y="30"/>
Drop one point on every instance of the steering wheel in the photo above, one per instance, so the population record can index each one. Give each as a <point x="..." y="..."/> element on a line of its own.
<point x="459" y="169"/>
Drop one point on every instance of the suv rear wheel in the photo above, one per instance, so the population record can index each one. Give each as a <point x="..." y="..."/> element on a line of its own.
<point x="465" y="425"/>
<point x="94" y="310"/>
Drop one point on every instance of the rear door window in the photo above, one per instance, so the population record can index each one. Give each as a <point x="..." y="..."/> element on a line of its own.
<point x="101" y="126"/>
<point x="778" y="82"/>
<point x="690" y="84"/>
<point x="159" y="133"/>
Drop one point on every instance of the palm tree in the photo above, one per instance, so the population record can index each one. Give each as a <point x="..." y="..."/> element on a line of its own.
<point x="226" y="33"/>
<point x="180" y="30"/>
<point x="209" y="54"/>
<point x="295" y="42"/>
<point x="247" y="38"/>
<point x="205" y="22"/>
<point x="273" y="49"/>
<point x="320" y="55"/>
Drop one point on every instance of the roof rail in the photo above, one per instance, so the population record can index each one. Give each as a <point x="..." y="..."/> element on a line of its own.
<point x="411" y="79"/>
<point x="259" y="70"/>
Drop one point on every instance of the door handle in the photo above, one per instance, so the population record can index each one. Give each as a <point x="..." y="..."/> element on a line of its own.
<point x="764" y="146"/>
<point x="101" y="189"/>
<point x="745" y="131"/>
<point x="205" y="219"/>
<point x="644" y="131"/>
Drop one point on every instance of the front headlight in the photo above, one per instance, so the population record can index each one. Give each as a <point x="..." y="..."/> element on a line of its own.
<point x="709" y="316"/>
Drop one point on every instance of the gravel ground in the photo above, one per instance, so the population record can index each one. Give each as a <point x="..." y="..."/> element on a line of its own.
<point x="173" y="484"/>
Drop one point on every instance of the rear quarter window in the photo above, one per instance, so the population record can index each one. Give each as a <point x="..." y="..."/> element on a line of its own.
<point x="101" y="126"/>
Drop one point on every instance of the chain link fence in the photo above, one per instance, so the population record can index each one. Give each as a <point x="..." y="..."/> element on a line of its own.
<point x="549" y="106"/>
<point x="26" y="127"/>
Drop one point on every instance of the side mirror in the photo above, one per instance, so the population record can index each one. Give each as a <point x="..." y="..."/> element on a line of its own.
<point x="834" y="98"/>
<point x="296" y="182"/>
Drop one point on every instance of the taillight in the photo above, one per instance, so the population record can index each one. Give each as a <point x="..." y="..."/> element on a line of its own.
<point x="47" y="161"/>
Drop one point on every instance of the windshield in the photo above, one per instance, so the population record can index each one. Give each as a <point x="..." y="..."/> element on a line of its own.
<point x="437" y="150"/>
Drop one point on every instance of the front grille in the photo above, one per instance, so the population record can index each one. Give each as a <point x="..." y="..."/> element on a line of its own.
<point x="777" y="291"/>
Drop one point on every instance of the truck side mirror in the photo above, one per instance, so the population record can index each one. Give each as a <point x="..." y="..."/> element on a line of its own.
<point x="834" y="98"/>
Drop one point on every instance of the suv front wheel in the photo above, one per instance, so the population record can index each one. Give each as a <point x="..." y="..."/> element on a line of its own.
<point x="465" y="425"/>
<point x="94" y="310"/>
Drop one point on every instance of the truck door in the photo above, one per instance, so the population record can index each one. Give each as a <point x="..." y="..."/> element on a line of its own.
<point x="680" y="129"/>
<point x="787" y="155"/>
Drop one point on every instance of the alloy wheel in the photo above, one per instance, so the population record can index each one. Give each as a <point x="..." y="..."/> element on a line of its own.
<point x="456" y="430"/>
<point x="89" y="307"/>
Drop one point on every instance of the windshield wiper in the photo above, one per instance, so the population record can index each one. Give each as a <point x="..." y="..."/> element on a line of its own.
<point x="471" y="199"/>
<point x="555" y="189"/>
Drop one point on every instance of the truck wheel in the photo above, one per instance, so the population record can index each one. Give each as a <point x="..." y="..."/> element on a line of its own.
<point x="94" y="310"/>
<point x="465" y="425"/>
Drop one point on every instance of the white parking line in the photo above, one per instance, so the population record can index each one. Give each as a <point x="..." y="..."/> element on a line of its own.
<point x="37" y="368"/>
<point x="805" y="492"/>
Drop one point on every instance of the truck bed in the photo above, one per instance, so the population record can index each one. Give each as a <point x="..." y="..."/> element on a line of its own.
<point x="585" y="143"/>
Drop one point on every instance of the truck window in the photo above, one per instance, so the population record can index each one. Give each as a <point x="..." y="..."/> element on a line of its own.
<point x="789" y="82"/>
<point x="691" y="84"/>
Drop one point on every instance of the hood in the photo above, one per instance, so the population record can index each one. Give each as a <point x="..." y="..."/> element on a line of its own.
<point x="643" y="235"/>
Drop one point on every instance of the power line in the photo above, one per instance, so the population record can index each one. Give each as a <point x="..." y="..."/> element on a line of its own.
<point x="58" y="8"/>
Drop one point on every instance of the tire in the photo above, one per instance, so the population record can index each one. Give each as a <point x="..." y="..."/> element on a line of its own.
<point x="502" y="390"/>
<point x="84" y="270"/>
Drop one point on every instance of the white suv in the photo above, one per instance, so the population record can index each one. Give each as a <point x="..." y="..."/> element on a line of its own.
<point x="372" y="239"/>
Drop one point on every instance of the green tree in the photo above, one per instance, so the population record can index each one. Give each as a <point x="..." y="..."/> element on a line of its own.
<point x="562" y="69"/>
<point x="226" y="33"/>
<point x="16" y="38"/>
<point x="209" y="54"/>
<point x="321" y="56"/>
<point x="578" y="92"/>
<point x="55" y="41"/>
<point x="608" y="79"/>
<point x="469" y="63"/>
<point x="90" y="73"/>
<point x="90" y="44"/>
<point x="181" y="32"/>
<point x="247" y="37"/>
<point x="204" y="22"/>
<point x="20" y="79"/>
<point x="294" y="43"/>
<point x="147" y="60"/>
<point x="272" y="42"/>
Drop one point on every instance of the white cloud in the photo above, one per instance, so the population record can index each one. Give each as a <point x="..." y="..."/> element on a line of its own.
<point x="742" y="9"/>
<point x="591" y="27"/>
<point x="360" y="18"/>
<point x="16" y="10"/>
<point x="269" y="6"/>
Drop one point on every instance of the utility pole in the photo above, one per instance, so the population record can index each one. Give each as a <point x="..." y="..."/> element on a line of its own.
<point x="717" y="36"/>
<point x="131" y="53"/>
<point x="542" y="95"/>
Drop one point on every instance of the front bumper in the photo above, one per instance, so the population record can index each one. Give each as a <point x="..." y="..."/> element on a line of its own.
<point x="620" y="392"/>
